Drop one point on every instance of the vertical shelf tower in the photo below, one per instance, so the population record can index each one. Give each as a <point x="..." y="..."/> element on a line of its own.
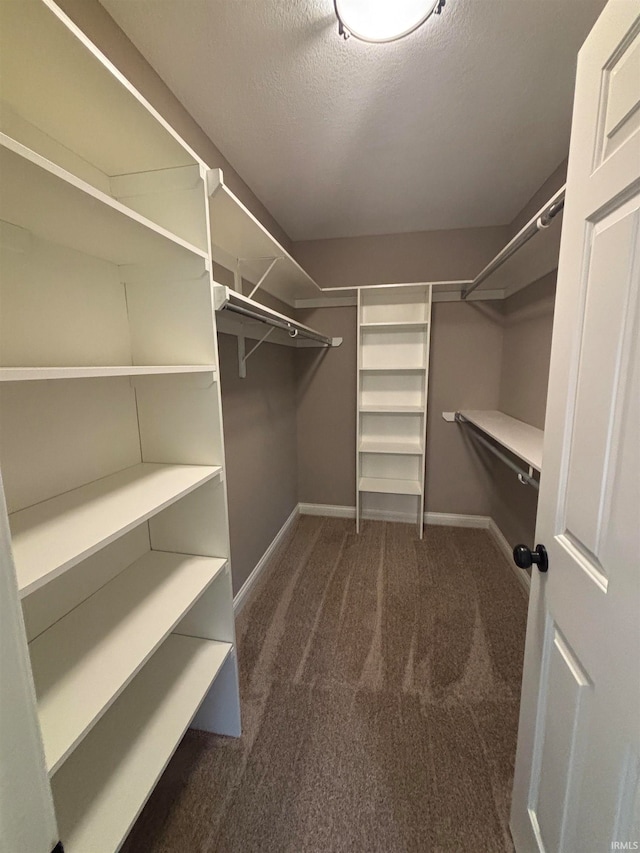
<point x="394" y="325"/>
<point x="113" y="517"/>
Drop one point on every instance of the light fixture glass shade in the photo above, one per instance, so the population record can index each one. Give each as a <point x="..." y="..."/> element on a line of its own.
<point x="383" y="20"/>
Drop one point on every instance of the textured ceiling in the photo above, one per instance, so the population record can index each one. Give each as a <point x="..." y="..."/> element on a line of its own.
<point x="455" y="126"/>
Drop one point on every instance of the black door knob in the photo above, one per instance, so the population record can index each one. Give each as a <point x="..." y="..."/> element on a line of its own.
<point x="524" y="557"/>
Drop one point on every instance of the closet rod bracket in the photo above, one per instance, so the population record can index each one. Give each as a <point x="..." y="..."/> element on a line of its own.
<point x="244" y="356"/>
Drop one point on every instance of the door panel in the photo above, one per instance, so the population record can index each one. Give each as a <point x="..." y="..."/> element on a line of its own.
<point x="607" y="321"/>
<point x="561" y="741"/>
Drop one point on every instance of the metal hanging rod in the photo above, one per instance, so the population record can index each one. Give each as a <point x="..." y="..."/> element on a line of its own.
<point x="540" y="221"/>
<point x="294" y="329"/>
<point x="524" y="477"/>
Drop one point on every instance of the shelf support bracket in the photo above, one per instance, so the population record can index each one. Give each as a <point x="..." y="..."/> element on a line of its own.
<point x="243" y="356"/>
<point x="237" y="274"/>
<point x="262" y="278"/>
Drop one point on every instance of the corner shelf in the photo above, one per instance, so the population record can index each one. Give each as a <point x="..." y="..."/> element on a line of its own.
<point x="101" y="789"/>
<point x="58" y="533"/>
<point x="82" y="663"/>
<point x="519" y="438"/>
<point x="237" y="236"/>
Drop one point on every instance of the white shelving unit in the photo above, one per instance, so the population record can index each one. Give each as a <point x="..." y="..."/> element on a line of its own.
<point x="393" y="369"/>
<point x="114" y="517"/>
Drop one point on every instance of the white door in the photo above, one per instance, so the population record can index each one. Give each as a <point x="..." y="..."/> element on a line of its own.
<point x="577" y="780"/>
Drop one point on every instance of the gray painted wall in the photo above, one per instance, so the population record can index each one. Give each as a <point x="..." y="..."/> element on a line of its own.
<point x="260" y="440"/>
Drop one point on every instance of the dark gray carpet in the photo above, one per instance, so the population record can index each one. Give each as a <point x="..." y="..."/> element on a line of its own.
<point x="380" y="685"/>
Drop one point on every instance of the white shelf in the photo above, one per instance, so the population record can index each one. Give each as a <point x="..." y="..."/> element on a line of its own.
<point x="391" y="409"/>
<point x="393" y="370"/>
<point x="58" y="533"/>
<point x="84" y="661"/>
<point x="26" y="374"/>
<point x="237" y="234"/>
<point x="399" y="326"/>
<point x="43" y="198"/>
<point x="411" y="448"/>
<point x="389" y="486"/>
<point x="100" y="791"/>
<point x="521" y="439"/>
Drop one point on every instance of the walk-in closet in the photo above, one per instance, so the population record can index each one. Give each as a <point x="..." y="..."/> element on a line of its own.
<point x="319" y="388"/>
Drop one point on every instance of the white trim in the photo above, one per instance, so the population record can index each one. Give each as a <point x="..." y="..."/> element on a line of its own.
<point x="436" y="518"/>
<point x="523" y="578"/>
<point x="240" y="598"/>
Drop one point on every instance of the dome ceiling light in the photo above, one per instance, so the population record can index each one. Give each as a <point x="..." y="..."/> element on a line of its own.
<point x="383" y="20"/>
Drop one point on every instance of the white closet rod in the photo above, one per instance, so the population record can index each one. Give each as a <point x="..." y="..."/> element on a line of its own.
<point x="291" y="327"/>
<point x="524" y="477"/>
<point x="542" y="220"/>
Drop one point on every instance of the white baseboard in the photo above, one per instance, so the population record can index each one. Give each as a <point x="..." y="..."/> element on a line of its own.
<point x="439" y="518"/>
<point x="240" y="599"/>
<point x="523" y="578"/>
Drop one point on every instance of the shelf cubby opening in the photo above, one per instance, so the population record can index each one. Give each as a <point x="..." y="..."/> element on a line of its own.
<point x="387" y="505"/>
<point x="383" y="466"/>
<point x="393" y="348"/>
<point x="387" y="389"/>
<point x="393" y="305"/>
<point x="65" y="308"/>
<point x="404" y="431"/>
